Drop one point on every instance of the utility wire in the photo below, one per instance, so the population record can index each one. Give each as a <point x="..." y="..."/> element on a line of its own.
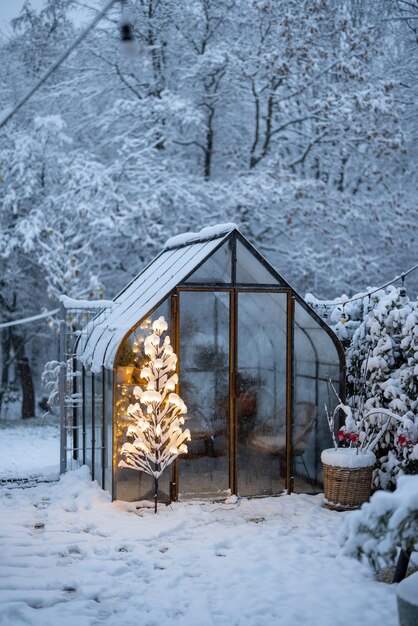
<point x="26" y="320"/>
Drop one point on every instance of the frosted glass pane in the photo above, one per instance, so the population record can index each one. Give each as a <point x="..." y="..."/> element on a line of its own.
<point x="204" y="386"/>
<point x="132" y="485"/>
<point x="261" y="405"/>
<point x="315" y="358"/>
<point x="98" y="428"/>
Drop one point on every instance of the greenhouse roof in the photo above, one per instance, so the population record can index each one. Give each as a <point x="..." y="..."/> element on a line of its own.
<point x="203" y="259"/>
<point x="181" y="256"/>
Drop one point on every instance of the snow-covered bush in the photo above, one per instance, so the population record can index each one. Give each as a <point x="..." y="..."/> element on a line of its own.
<point x="380" y="335"/>
<point x="50" y="381"/>
<point x="388" y="522"/>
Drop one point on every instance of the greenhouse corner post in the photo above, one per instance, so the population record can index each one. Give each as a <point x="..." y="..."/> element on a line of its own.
<point x="62" y="384"/>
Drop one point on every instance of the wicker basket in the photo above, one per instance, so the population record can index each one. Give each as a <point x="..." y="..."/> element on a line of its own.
<point x="346" y="488"/>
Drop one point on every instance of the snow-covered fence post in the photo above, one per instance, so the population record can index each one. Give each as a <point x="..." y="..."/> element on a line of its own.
<point x="157" y="438"/>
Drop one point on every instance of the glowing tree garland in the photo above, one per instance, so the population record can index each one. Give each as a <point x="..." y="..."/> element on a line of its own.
<point x="157" y="438"/>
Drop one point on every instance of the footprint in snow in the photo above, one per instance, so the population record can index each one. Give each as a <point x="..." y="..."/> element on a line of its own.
<point x="221" y="549"/>
<point x="124" y="548"/>
<point x="40" y="505"/>
<point x="256" y="520"/>
<point x="72" y="553"/>
<point x="39" y="526"/>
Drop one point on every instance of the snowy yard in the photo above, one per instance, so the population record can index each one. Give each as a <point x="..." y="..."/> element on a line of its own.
<point x="29" y="448"/>
<point x="70" y="556"/>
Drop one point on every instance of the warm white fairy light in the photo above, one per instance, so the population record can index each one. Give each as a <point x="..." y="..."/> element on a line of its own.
<point x="155" y="433"/>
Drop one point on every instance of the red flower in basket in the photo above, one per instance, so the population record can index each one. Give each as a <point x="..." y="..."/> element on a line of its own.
<point x="341" y="435"/>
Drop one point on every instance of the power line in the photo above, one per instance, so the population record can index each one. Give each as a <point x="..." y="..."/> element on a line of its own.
<point x="26" y="320"/>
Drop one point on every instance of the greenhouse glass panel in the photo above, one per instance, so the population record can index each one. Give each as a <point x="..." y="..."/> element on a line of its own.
<point x="315" y="359"/>
<point x="132" y="485"/>
<point x="98" y="427"/>
<point x="261" y="401"/>
<point x="108" y="434"/>
<point x="217" y="269"/>
<point x="204" y="387"/>
<point x="249" y="270"/>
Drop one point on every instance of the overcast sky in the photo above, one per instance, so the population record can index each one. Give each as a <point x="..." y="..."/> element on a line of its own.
<point x="11" y="8"/>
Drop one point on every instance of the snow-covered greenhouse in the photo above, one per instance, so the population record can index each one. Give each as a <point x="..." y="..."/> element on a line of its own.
<point x="253" y="363"/>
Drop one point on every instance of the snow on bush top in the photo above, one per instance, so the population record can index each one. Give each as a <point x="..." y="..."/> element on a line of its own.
<point x="205" y="233"/>
<point x="388" y="522"/>
<point x="347" y="457"/>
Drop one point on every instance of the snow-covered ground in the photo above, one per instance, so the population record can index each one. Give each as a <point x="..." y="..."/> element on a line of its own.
<point x="29" y="448"/>
<point x="72" y="557"/>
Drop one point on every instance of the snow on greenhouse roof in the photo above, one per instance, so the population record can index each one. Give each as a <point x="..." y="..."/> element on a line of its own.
<point x="210" y="232"/>
<point x="181" y="255"/>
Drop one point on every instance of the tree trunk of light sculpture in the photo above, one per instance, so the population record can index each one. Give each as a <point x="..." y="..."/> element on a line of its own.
<point x="155" y="433"/>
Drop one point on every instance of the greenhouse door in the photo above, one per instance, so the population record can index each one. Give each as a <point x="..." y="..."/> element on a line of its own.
<point x="260" y="392"/>
<point x="204" y="381"/>
<point x="232" y="374"/>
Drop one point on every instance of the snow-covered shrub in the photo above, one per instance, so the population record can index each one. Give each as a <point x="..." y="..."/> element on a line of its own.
<point x="50" y="381"/>
<point x="380" y="336"/>
<point x="388" y="522"/>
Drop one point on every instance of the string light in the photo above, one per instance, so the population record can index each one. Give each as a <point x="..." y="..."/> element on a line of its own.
<point x="402" y="292"/>
<point x="125" y="388"/>
<point x="369" y="293"/>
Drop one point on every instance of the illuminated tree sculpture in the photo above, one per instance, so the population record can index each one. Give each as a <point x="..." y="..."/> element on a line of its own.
<point x="157" y="438"/>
